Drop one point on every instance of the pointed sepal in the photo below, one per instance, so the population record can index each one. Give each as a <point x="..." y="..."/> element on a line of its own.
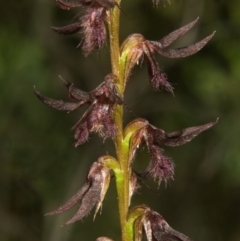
<point x="68" y="29"/>
<point x="183" y="136"/>
<point x="92" y="193"/>
<point x="57" y="104"/>
<point x="184" y="51"/>
<point x="171" y="37"/>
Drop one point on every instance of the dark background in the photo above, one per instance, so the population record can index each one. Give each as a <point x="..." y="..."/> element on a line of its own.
<point x="39" y="166"/>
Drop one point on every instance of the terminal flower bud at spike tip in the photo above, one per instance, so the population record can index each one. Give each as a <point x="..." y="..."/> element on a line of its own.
<point x="92" y="23"/>
<point x="99" y="116"/>
<point x="92" y="193"/>
<point x="156" y="228"/>
<point x="161" y="167"/>
<point x="136" y="47"/>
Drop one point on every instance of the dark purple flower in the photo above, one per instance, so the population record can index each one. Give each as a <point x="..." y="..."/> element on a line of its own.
<point x="160" y="167"/>
<point x="92" y="23"/>
<point x="136" y="47"/>
<point x="99" y="116"/>
<point x="157" y="229"/>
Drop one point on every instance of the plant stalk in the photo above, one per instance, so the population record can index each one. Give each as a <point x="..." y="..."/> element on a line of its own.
<point x="123" y="180"/>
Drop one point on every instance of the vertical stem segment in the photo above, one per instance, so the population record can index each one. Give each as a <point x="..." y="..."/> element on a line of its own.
<point x="123" y="179"/>
<point x="114" y="38"/>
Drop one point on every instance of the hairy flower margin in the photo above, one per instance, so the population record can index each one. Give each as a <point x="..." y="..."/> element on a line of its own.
<point x="92" y="23"/>
<point x="105" y="106"/>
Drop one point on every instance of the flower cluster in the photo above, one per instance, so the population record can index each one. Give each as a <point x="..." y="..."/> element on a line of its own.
<point x="99" y="116"/>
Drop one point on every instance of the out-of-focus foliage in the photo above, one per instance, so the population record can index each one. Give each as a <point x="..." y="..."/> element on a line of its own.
<point x="40" y="168"/>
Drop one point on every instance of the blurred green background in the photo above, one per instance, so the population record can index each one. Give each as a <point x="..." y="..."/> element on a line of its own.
<point x="40" y="168"/>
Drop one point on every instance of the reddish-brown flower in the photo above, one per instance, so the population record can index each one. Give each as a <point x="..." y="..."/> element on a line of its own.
<point x="156" y="228"/>
<point x="99" y="116"/>
<point x="160" y="167"/>
<point x="136" y="47"/>
<point x="92" y="23"/>
<point x="92" y="193"/>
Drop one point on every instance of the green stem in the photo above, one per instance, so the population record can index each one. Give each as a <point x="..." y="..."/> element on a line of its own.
<point x="122" y="179"/>
<point x="113" y="24"/>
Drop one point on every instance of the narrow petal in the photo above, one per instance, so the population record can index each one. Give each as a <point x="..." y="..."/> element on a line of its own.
<point x="89" y="200"/>
<point x="185" y="51"/>
<point x="58" y="104"/>
<point x="96" y="177"/>
<point x="170" y="38"/>
<point x="69" y="29"/>
<point x="72" y="201"/>
<point x="181" y="137"/>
